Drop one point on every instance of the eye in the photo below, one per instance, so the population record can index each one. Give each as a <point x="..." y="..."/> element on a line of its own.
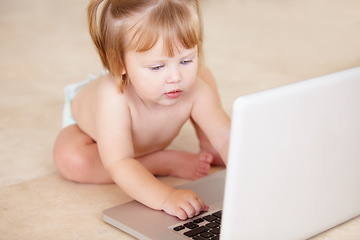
<point x="156" y="67"/>
<point x="187" y="61"/>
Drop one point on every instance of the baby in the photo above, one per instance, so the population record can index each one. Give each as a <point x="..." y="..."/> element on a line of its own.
<point x="117" y="126"/>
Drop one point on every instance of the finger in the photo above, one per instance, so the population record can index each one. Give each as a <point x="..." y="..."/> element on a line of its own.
<point x="189" y="209"/>
<point x="204" y="207"/>
<point x="181" y="214"/>
<point x="198" y="205"/>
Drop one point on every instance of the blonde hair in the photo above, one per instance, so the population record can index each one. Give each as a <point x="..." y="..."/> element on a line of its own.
<point x="177" y="21"/>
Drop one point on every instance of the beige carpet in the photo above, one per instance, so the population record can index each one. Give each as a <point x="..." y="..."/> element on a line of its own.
<point x="250" y="45"/>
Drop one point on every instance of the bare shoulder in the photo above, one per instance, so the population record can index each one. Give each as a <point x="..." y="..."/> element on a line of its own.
<point x="203" y="93"/>
<point x="97" y="104"/>
<point x="109" y="98"/>
<point x="206" y="105"/>
<point x="102" y="86"/>
<point x="106" y="84"/>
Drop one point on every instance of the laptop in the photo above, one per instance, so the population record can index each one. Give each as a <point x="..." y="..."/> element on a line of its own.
<point x="293" y="169"/>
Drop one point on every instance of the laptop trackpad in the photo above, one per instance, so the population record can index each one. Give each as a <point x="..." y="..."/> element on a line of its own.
<point x="211" y="191"/>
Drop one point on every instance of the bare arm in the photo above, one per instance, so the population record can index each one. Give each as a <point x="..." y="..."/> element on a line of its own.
<point x="211" y="118"/>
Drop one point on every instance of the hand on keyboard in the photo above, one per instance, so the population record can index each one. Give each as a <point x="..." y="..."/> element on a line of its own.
<point x="184" y="204"/>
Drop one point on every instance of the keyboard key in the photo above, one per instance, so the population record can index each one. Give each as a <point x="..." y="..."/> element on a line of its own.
<point x="196" y="231"/>
<point x="215" y="238"/>
<point x="207" y="234"/>
<point x="215" y="231"/>
<point x="210" y="218"/>
<point x="199" y="238"/>
<point x="199" y="220"/>
<point x="179" y="228"/>
<point x="217" y="214"/>
<point x="212" y="225"/>
<point x="191" y="225"/>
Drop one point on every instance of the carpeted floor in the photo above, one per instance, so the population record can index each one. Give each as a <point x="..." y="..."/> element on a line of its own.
<point x="250" y="45"/>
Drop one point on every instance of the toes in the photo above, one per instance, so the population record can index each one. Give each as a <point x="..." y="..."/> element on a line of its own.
<point x="203" y="165"/>
<point x="205" y="157"/>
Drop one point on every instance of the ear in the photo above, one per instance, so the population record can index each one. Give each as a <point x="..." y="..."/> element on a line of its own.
<point x="123" y="71"/>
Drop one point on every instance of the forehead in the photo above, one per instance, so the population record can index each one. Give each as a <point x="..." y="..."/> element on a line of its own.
<point x="158" y="51"/>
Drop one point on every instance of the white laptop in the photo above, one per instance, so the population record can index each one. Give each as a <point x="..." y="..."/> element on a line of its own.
<point x="293" y="169"/>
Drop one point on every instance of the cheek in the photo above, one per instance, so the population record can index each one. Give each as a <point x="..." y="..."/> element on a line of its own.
<point x="143" y="83"/>
<point x="192" y="75"/>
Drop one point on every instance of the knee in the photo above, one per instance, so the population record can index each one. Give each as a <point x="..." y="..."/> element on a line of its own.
<point x="70" y="163"/>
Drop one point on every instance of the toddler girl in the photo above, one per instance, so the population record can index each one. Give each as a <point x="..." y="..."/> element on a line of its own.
<point x="117" y="126"/>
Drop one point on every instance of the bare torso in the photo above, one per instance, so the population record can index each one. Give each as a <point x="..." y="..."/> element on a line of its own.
<point x="152" y="129"/>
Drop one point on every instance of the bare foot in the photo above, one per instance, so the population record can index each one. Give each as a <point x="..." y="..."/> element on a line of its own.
<point x="208" y="148"/>
<point x="178" y="163"/>
<point x="191" y="166"/>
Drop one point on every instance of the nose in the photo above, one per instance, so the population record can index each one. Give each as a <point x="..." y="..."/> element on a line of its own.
<point x="174" y="75"/>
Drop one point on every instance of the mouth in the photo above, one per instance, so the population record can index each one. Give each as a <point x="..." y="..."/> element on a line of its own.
<point x="173" y="94"/>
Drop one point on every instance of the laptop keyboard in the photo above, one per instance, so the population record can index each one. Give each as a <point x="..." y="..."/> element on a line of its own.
<point x="207" y="227"/>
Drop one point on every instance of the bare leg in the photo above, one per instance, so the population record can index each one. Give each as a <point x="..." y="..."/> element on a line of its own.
<point x="77" y="158"/>
<point x="205" y="145"/>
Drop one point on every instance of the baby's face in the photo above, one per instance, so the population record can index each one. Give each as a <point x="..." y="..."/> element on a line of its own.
<point x="159" y="79"/>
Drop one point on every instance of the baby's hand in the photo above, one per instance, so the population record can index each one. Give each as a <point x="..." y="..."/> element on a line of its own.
<point x="184" y="204"/>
